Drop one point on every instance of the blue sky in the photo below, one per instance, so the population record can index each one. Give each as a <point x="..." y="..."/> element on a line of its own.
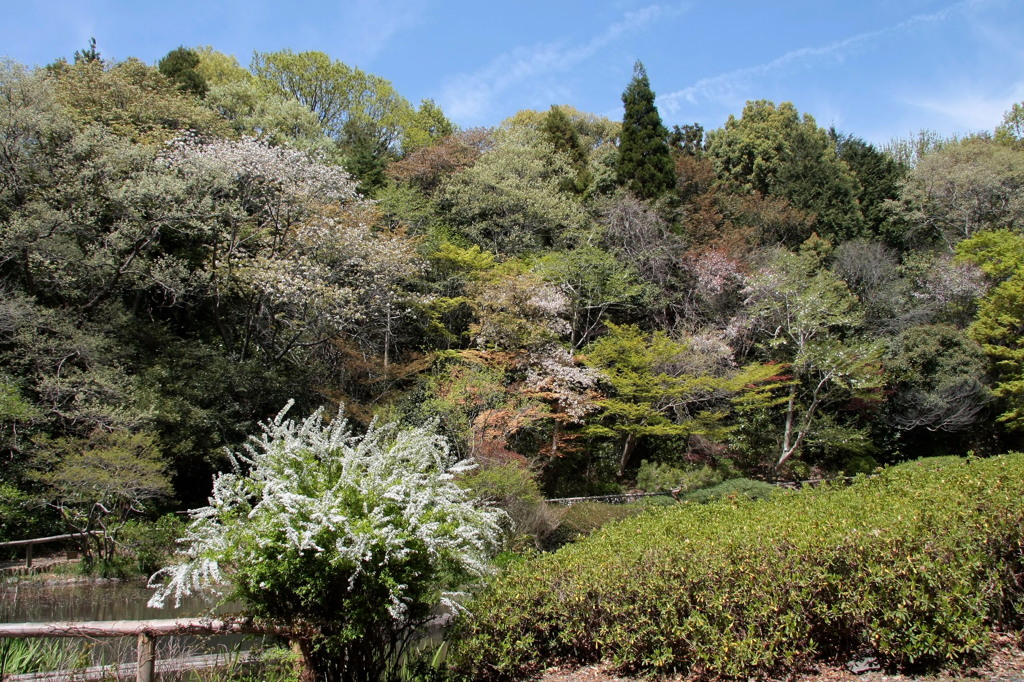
<point x="874" y="68"/>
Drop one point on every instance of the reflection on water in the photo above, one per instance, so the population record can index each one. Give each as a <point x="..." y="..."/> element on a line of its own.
<point x="27" y="601"/>
<point x="33" y="601"/>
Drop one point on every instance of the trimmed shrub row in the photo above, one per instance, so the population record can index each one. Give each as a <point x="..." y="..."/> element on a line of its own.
<point x="914" y="567"/>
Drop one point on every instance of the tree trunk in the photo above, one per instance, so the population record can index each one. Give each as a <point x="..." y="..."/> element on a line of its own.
<point x="302" y="648"/>
<point x="628" y="445"/>
<point x="788" y="437"/>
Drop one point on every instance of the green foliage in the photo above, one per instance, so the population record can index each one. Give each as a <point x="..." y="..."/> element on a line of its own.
<point x="17" y="414"/>
<point x="584" y="518"/>
<point x="598" y="286"/>
<point x="272" y="664"/>
<point x="132" y="100"/>
<point x="773" y="150"/>
<point x="935" y="377"/>
<point x="510" y="201"/>
<point x="502" y="484"/>
<point x="184" y="289"/>
<point x="664" y="387"/>
<point x="151" y="545"/>
<point x="89" y="54"/>
<point x="565" y="139"/>
<point x="361" y="111"/>
<point x="38" y="655"/>
<point x="912" y="567"/>
<point x="512" y="488"/>
<point x="656" y="477"/>
<point x="734" y="487"/>
<point x="878" y="178"/>
<point x="269" y="116"/>
<point x="963" y="188"/>
<point x="181" y="65"/>
<point x="999" y="253"/>
<point x="22" y="516"/>
<point x="428" y="125"/>
<point x="805" y="315"/>
<point x="355" y="537"/>
<point x="1000" y="317"/>
<point x="99" y="483"/>
<point x="218" y="68"/>
<point x="201" y="401"/>
<point x="1011" y="131"/>
<point x="459" y="394"/>
<point x="644" y="164"/>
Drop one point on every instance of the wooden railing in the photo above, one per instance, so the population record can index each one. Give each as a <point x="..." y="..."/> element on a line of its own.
<point x="29" y="544"/>
<point x="146" y="631"/>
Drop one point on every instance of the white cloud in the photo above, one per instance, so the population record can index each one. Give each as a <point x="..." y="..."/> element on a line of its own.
<point x="469" y="97"/>
<point x="972" y="111"/>
<point x="734" y="88"/>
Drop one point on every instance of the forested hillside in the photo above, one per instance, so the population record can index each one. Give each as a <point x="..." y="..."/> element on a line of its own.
<point x="186" y="246"/>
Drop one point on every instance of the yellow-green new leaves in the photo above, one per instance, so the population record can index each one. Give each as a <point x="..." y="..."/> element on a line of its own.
<point x="999" y="326"/>
<point x="347" y="101"/>
<point x="663" y="387"/>
<point x="98" y="483"/>
<point x="596" y="285"/>
<point x="132" y="100"/>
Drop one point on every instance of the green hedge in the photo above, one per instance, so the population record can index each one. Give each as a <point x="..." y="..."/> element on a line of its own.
<point x="914" y="566"/>
<point x="755" y="490"/>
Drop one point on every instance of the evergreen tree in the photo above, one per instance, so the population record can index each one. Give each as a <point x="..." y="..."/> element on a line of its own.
<point x="559" y="132"/>
<point x="645" y="163"/>
<point x="89" y="54"/>
<point x="180" y="65"/>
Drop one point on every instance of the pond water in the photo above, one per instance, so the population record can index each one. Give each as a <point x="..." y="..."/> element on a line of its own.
<point x="54" y="600"/>
<point x="23" y="601"/>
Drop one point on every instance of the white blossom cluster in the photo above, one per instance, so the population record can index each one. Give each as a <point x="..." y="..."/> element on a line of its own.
<point x="337" y="271"/>
<point x="551" y="305"/>
<point x="263" y="169"/>
<point x="360" y="502"/>
<point x="574" y="387"/>
<point x="714" y="272"/>
<point x="521" y="310"/>
<point x="949" y="282"/>
<point x="293" y="234"/>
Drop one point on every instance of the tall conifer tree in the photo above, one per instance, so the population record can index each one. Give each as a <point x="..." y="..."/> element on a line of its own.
<point x="645" y="163"/>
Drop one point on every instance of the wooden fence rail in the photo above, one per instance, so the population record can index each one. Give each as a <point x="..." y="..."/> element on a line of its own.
<point x="29" y="544"/>
<point x="145" y="630"/>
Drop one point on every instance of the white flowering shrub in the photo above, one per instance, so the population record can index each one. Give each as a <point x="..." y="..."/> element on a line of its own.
<point x="353" y="538"/>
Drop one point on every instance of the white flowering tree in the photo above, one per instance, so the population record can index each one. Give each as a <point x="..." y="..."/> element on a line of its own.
<point x="350" y="541"/>
<point x="295" y="259"/>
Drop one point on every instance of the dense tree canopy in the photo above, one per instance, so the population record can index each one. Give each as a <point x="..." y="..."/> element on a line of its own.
<point x="184" y="247"/>
<point x="773" y="150"/>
